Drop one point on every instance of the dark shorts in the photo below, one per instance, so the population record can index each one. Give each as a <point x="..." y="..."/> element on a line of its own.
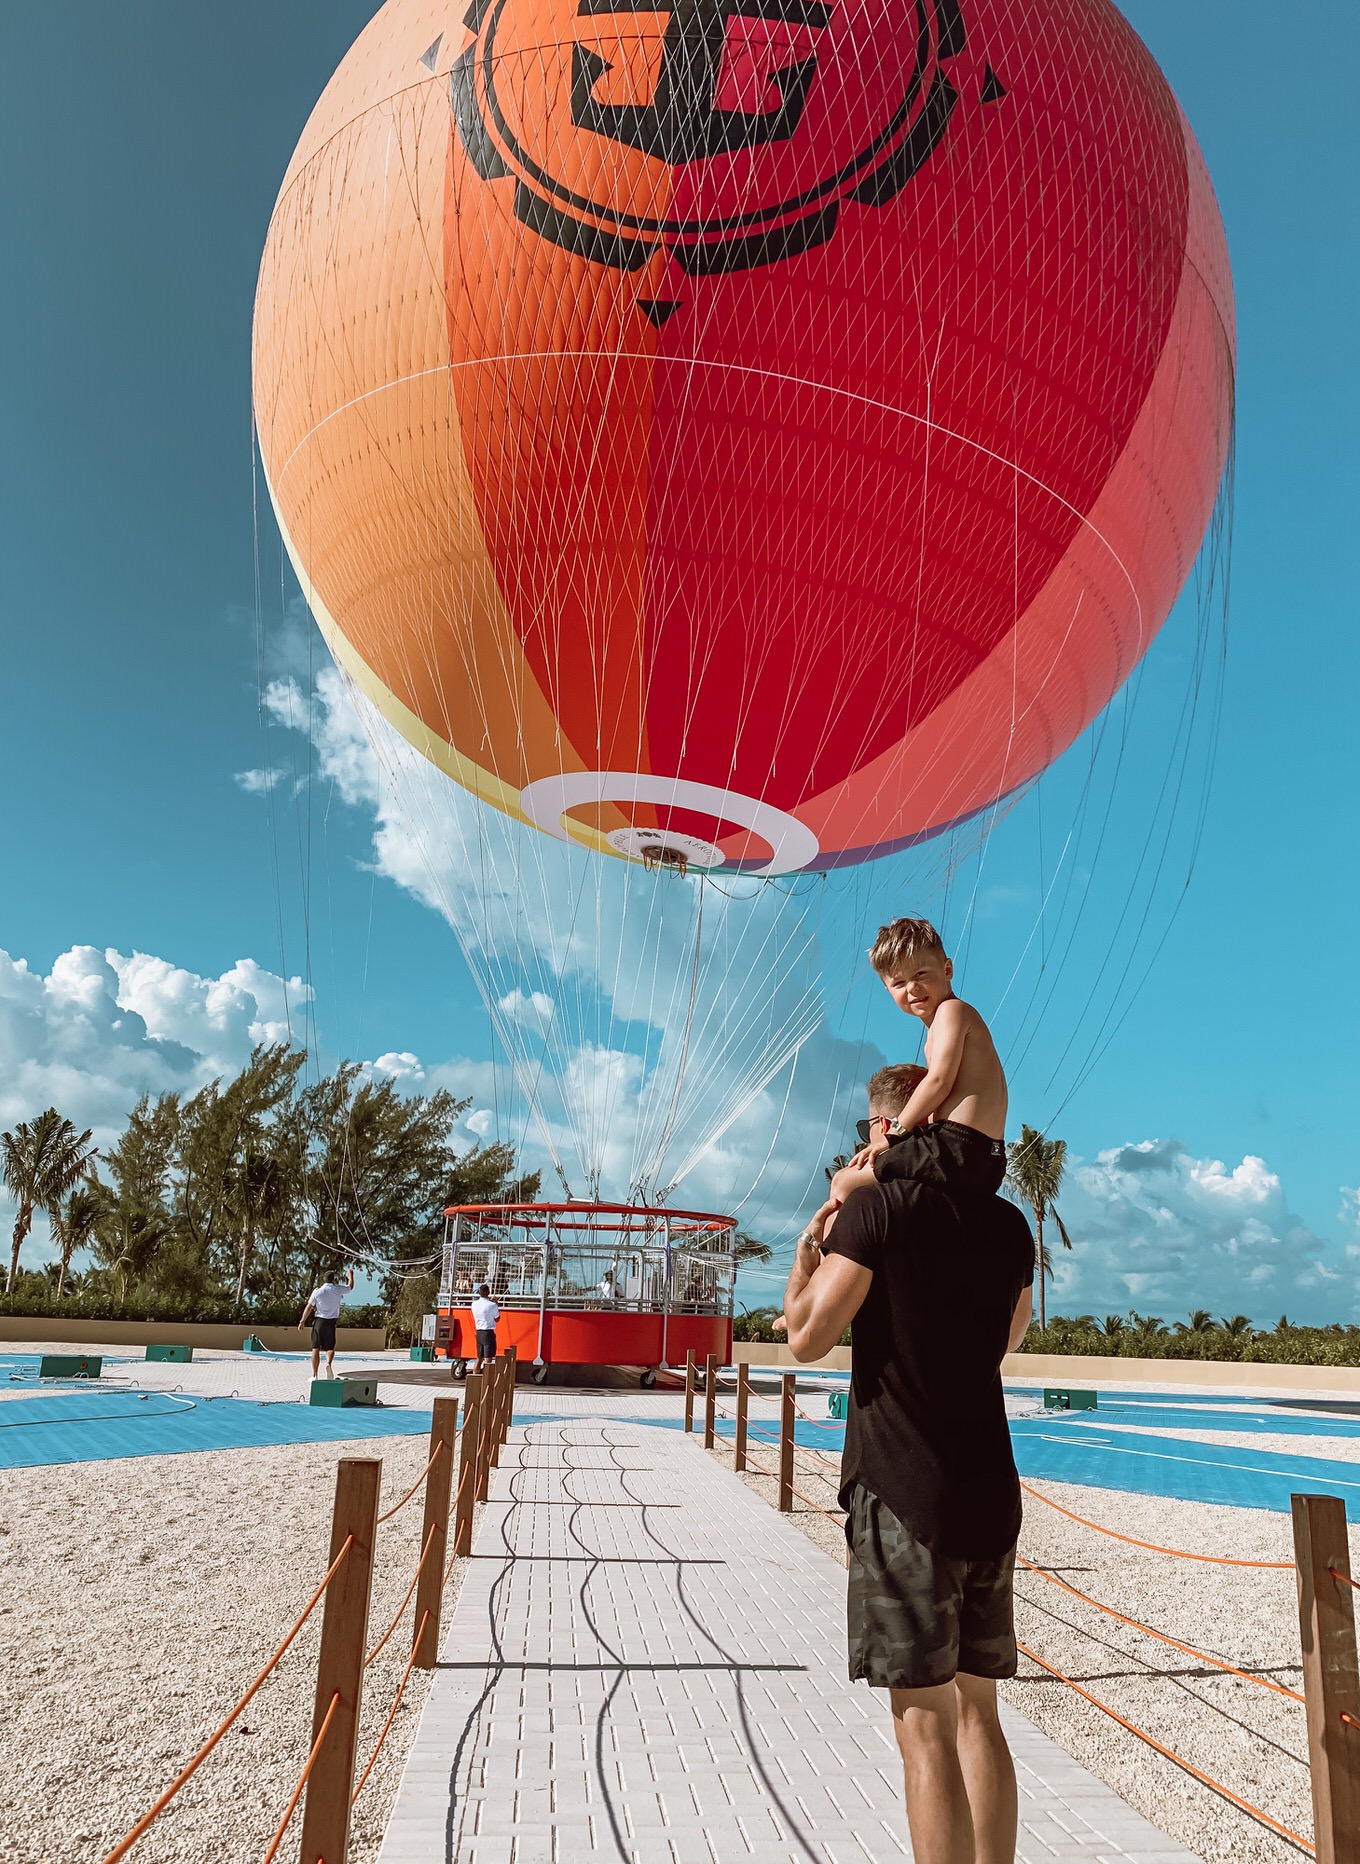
<point x="486" y="1342"/>
<point x="916" y="1617"/>
<point x="945" y="1153"/>
<point x="323" y="1335"/>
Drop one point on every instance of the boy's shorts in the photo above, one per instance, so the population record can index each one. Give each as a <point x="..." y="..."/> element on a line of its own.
<point x="945" y="1153"/>
<point x="915" y="1617"/>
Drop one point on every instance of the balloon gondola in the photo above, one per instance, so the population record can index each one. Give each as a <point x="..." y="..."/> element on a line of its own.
<point x="588" y="1284"/>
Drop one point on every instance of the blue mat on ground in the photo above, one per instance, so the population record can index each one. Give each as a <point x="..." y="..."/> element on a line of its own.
<point x="94" y="1426"/>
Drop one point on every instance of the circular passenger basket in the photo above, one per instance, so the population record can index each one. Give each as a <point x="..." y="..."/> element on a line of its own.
<point x="584" y="1284"/>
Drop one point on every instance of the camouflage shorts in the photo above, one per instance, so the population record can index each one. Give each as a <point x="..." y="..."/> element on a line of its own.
<point x="916" y="1617"/>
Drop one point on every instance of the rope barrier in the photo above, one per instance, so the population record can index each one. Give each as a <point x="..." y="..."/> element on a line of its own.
<point x="425" y="1554"/>
<point x="291" y="1807"/>
<point x="126" y="1843"/>
<point x="397" y="1506"/>
<point x="415" y="1646"/>
<point x="1346" y="1576"/>
<point x="1187" y="1650"/>
<point x="1206" y="1779"/>
<point x="1212" y="1559"/>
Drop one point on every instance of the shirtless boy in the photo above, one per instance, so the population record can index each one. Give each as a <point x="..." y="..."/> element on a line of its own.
<point x="963" y="1091"/>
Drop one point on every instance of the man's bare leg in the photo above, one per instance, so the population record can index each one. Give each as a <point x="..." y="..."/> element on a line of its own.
<point x="316" y="1361"/>
<point x="926" y="1724"/>
<point x="988" y="1770"/>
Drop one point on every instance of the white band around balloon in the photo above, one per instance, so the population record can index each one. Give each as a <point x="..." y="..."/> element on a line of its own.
<point x="545" y="801"/>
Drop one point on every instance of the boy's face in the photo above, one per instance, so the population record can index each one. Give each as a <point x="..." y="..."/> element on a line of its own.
<point x="920" y="984"/>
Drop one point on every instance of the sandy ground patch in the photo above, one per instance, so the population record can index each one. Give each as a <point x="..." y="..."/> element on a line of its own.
<point x="1246" y="1737"/>
<point x="137" y="1600"/>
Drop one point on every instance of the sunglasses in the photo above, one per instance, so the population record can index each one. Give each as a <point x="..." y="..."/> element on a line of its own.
<point x="863" y="1128"/>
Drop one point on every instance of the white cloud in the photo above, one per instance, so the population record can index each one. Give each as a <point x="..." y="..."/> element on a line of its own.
<point x="259" y="782"/>
<point x="400" y="1065"/>
<point x="1156" y="1228"/>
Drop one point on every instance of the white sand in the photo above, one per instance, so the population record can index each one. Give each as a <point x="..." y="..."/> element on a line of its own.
<point x="137" y="1599"/>
<point x="1247" y="1738"/>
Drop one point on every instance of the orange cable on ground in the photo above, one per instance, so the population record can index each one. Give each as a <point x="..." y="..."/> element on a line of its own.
<point x="396" y="1506"/>
<point x="291" y="1807"/>
<point x="415" y="1646"/>
<point x="429" y="1542"/>
<point x="1346" y="1576"/>
<point x="125" y="1844"/>
<point x="1138" y="1625"/>
<point x="1217" y="1785"/>
<point x="1213" y="1559"/>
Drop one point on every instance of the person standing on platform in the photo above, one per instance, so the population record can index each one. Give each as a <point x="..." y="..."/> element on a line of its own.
<point x="324" y="1305"/>
<point x="928" y="1479"/>
<point x="485" y="1314"/>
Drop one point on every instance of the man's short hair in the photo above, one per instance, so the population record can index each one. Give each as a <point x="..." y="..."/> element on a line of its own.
<point x="484" y="1290"/>
<point x="892" y="1087"/>
<point x="901" y="941"/>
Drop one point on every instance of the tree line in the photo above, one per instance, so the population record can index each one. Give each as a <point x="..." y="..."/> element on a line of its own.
<point x="234" y="1200"/>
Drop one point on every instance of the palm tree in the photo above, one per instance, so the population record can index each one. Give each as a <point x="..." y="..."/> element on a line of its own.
<point x="1034" y="1171"/>
<point x="1200" y="1321"/>
<point x="43" y="1159"/>
<point x="1238" y="1327"/>
<point x="747" y="1249"/>
<point x="73" y="1223"/>
<point x="1115" y="1325"/>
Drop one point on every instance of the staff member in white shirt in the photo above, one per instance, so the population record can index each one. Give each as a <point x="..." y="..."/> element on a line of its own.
<point x="485" y="1314"/>
<point x="324" y="1303"/>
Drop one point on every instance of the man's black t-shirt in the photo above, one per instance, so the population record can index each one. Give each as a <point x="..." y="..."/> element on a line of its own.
<point x="927" y="1431"/>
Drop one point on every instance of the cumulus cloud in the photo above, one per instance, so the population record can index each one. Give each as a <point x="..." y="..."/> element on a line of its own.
<point x="1157" y="1228"/>
<point x="259" y="782"/>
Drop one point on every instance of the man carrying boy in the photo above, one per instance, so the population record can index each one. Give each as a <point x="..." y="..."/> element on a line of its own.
<point x="962" y="1092"/>
<point x="928" y="1479"/>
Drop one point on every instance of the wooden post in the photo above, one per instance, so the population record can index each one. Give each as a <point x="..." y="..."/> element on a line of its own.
<point x="786" y="1389"/>
<point x="469" y="1451"/>
<point x="743" y="1400"/>
<point x="511" y="1374"/>
<point x="689" y="1390"/>
<point x="710" y="1397"/>
<point x="1330" y="1685"/>
<point x="340" y="1665"/>
<point x="487" y="1434"/>
<point x="495" y="1425"/>
<point x="434" y="1531"/>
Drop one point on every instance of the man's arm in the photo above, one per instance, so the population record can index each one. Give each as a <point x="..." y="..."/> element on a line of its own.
<point x="823" y="1295"/>
<point x="305" y="1312"/>
<point x="1020" y="1321"/>
<point x="947" y="1034"/>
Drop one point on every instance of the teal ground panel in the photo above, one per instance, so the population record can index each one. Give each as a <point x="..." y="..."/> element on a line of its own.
<point x="78" y="1427"/>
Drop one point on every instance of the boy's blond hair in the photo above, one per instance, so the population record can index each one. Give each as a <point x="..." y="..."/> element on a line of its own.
<point x="892" y="1087"/>
<point x="897" y="944"/>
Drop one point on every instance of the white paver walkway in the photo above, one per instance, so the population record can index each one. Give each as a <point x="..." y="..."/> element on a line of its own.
<point x="646" y="1665"/>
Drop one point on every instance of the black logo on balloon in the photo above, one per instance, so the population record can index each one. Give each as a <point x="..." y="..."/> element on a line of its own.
<point x="682" y="122"/>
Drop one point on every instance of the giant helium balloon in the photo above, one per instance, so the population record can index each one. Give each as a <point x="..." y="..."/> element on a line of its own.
<point x="766" y="429"/>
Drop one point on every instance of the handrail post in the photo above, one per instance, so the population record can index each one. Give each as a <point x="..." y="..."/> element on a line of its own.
<point x="743" y="1400"/>
<point x="469" y="1455"/>
<point x="434" y="1531"/>
<point x="1330" y="1685"/>
<point x="689" y="1389"/>
<point x="496" y="1434"/>
<point x="511" y="1373"/>
<point x="710" y="1397"/>
<point x="786" y="1390"/>
<point x="340" y="1664"/>
<point x="486" y="1435"/>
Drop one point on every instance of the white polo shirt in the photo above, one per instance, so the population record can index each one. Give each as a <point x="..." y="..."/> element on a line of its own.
<point x="327" y="1300"/>
<point x="485" y="1314"/>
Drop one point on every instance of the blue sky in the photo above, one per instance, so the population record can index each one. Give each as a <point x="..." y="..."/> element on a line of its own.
<point x="143" y="146"/>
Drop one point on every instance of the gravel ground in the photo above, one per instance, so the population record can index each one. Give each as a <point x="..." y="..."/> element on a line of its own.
<point x="139" y="1598"/>
<point x="1248" y="1738"/>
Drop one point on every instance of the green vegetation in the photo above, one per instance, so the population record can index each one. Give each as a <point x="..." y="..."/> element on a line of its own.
<point x="230" y="1204"/>
<point x="1034" y="1173"/>
<point x="1199" y="1336"/>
